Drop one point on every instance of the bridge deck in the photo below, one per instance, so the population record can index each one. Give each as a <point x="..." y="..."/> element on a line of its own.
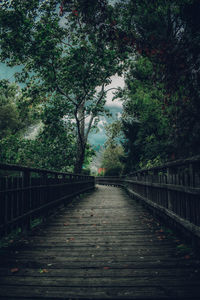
<point x="104" y="246"/>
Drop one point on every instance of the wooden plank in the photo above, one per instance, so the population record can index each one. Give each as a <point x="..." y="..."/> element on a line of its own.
<point x="83" y="293"/>
<point x="115" y="281"/>
<point x="92" y="272"/>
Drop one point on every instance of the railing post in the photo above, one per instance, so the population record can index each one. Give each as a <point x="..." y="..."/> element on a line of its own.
<point x="6" y="205"/>
<point x="26" y="223"/>
<point x="169" y="198"/>
<point x="45" y="188"/>
<point x="191" y="174"/>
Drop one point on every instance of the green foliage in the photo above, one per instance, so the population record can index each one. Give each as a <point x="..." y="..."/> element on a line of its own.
<point x="161" y="100"/>
<point x="145" y="124"/>
<point x="113" y="171"/>
<point x="112" y="160"/>
<point x="89" y="154"/>
<point x="10" y="238"/>
<point x="62" y="59"/>
<point x="52" y="149"/>
<point x="12" y="111"/>
<point x="157" y="161"/>
<point x="54" y="146"/>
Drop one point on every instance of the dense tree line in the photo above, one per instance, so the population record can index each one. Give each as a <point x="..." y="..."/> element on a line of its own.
<point x="69" y="48"/>
<point x="161" y="99"/>
<point x="161" y="108"/>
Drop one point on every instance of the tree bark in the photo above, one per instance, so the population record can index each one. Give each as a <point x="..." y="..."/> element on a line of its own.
<point x="80" y="154"/>
<point x="81" y="142"/>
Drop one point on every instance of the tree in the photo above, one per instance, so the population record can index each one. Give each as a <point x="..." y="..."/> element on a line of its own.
<point x="167" y="33"/>
<point x="144" y="122"/>
<point x="61" y="59"/>
<point x="112" y="160"/>
<point x="52" y="148"/>
<point x="14" y="111"/>
<point x="9" y="116"/>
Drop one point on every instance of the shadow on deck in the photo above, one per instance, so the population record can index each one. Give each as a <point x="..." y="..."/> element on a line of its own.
<point x="103" y="246"/>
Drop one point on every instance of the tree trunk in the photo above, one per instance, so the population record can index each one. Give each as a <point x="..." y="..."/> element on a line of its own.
<point x="80" y="155"/>
<point x="81" y="143"/>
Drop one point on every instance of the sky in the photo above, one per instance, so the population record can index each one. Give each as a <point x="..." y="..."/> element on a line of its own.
<point x="115" y="107"/>
<point x="96" y="139"/>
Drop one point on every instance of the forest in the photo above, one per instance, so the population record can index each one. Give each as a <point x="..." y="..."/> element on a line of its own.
<point x="68" y="51"/>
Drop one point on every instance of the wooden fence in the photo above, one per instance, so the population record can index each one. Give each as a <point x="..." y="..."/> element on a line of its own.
<point x="171" y="190"/>
<point x="29" y="193"/>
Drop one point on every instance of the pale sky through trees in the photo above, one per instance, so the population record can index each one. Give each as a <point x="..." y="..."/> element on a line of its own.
<point x="116" y="82"/>
<point x="115" y="107"/>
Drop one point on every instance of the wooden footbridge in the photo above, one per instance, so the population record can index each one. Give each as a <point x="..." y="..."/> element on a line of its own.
<point x="104" y="244"/>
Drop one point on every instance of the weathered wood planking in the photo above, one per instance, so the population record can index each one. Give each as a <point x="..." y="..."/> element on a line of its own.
<point x="104" y="246"/>
<point x="171" y="191"/>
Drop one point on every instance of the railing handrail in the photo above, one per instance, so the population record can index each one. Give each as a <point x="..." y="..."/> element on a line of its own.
<point x="13" y="167"/>
<point x="176" y="163"/>
<point x="25" y="197"/>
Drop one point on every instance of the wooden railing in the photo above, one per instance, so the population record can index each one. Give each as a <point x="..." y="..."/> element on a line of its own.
<point x="27" y="194"/>
<point x="171" y="190"/>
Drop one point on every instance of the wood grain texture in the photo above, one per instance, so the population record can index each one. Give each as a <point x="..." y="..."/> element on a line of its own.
<point x="104" y="246"/>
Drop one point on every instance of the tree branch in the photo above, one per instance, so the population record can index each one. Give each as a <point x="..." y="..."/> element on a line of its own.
<point x="78" y="122"/>
<point x="111" y="89"/>
<point x="93" y="116"/>
<point x="58" y="88"/>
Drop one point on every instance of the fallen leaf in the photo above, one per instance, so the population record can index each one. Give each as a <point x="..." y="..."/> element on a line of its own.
<point x="106" y="268"/>
<point x="181" y="246"/>
<point x="14" y="270"/>
<point x="66" y="224"/>
<point x="43" y="271"/>
<point x="72" y="239"/>
<point x="187" y="256"/>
